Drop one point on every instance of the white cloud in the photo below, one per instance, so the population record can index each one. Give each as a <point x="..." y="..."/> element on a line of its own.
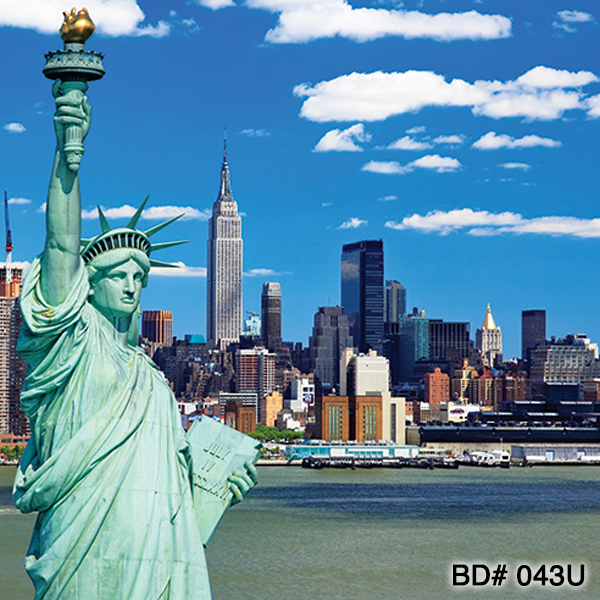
<point x="182" y="270"/>
<point x="455" y="140"/>
<point x="409" y="143"/>
<point x="434" y="162"/>
<point x="21" y="201"/>
<point x="156" y="31"/>
<point x="564" y="20"/>
<point x="190" y="25"/>
<point x="441" y="164"/>
<point x="495" y="141"/>
<point x="542" y="93"/>
<point x="112" y="17"/>
<point x="515" y="165"/>
<point x="14" y="128"/>
<point x="483" y="222"/>
<point x="417" y="129"/>
<point x="262" y="272"/>
<point x="216" y="4"/>
<point x="541" y="77"/>
<point x="344" y="140"/>
<point x="445" y="222"/>
<point x="386" y="167"/>
<point x="255" y="132"/>
<point x="593" y="105"/>
<point x="302" y="21"/>
<point x="168" y="212"/>
<point x="152" y="213"/>
<point x="353" y="223"/>
<point x="389" y="198"/>
<point x="574" y="16"/>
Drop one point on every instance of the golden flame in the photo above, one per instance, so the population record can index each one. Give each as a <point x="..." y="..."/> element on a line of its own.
<point x="77" y="26"/>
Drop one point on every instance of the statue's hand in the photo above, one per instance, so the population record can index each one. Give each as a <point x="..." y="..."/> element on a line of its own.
<point x="72" y="108"/>
<point x="241" y="483"/>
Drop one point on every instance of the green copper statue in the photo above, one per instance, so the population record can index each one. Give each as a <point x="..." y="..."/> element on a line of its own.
<point x="108" y="467"/>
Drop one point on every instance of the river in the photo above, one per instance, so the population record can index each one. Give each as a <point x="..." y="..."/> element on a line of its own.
<point x="383" y="534"/>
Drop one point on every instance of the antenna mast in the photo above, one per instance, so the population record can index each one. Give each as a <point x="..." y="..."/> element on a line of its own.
<point x="9" y="245"/>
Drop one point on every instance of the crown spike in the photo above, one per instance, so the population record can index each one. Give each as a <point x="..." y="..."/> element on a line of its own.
<point x="103" y="222"/>
<point x="157" y="228"/>
<point x="158" y="263"/>
<point x="163" y="245"/>
<point x="138" y="214"/>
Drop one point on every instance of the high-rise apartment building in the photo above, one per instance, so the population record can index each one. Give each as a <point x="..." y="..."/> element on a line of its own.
<point x="255" y="371"/>
<point x="330" y="337"/>
<point x="488" y="339"/>
<point x="270" y="302"/>
<point x="448" y="340"/>
<point x="568" y="361"/>
<point x="533" y="331"/>
<point x="224" y="268"/>
<point x="157" y="326"/>
<point x="362" y="292"/>
<point x="405" y="344"/>
<point x="437" y="387"/>
<point x="12" y="366"/>
<point x="394" y="301"/>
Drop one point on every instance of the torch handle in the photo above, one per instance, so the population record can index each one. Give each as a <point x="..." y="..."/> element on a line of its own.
<point x="73" y="148"/>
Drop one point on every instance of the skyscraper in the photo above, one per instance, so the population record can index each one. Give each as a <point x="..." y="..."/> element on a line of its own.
<point x="449" y="340"/>
<point x="488" y="339"/>
<point x="224" y="268"/>
<point x="412" y="344"/>
<point x="255" y="370"/>
<point x="157" y="326"/>
<point x="12" y="366"/>
<point x="533" y="330"/>
<point x="270" y="302"/>
<point x="362" y="292"/>
<point x="394" y="301"/>
<point x="330" y="337"/>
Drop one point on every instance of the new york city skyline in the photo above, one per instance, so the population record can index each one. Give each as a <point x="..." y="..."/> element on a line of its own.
<point x="464" y="135"/>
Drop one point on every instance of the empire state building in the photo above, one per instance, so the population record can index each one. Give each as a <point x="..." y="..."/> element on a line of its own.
<point x="224" y="276"/>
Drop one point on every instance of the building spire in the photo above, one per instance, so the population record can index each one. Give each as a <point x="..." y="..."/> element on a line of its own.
<point x="225" y="191"/>
<point x="488" y="322"/>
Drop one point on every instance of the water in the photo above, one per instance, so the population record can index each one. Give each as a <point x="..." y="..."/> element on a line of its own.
<point x="381" y="534"/>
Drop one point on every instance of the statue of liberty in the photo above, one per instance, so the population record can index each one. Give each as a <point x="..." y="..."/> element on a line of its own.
<point x="108" y="466"/>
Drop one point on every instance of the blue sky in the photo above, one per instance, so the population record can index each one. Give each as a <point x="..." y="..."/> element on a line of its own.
<point x="464" y="134"/>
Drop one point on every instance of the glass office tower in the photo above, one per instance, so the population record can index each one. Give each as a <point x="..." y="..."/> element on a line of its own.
<point x="362" y="292"/>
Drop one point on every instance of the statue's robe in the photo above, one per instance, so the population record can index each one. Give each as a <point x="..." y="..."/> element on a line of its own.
<point x="107" y="467"/>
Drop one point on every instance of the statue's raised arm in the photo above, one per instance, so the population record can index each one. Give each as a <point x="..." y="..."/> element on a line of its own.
<point x="63" y="209"/>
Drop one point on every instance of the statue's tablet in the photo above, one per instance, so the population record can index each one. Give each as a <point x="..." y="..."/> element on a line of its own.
<point x="217" y="452"/>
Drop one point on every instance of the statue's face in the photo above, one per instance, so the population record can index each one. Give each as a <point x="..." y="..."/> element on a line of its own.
<point x="116" y="294"/>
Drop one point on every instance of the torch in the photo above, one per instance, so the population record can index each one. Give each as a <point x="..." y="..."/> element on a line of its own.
<point x="72" y="68"/>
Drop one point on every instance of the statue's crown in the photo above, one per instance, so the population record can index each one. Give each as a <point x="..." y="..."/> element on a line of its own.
<point x="77" y="26"/>
<point x="127" y="237"/>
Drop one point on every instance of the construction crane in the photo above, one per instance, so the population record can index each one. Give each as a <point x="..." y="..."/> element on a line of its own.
<point x="9" y="245"/>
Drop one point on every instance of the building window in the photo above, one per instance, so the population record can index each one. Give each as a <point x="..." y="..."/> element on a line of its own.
<point x="335" y="422"/>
